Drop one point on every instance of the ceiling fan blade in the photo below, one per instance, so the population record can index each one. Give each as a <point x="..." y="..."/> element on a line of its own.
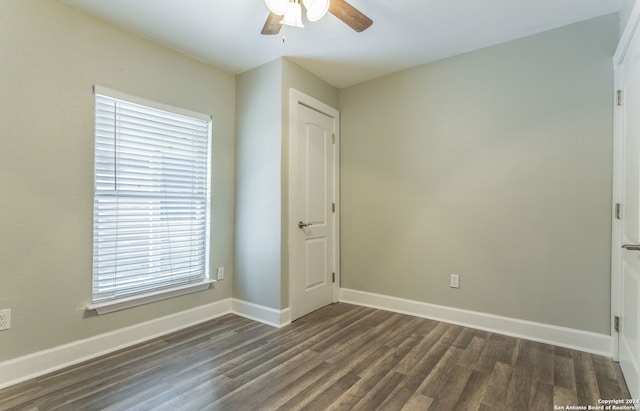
<point x="272" y="25"/>
<point x="351" y="16"/>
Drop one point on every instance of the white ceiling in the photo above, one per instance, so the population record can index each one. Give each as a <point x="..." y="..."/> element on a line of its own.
<point x="405" y="33"/>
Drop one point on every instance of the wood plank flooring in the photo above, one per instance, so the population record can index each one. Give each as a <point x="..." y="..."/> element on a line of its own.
<point x="342" y="357"/>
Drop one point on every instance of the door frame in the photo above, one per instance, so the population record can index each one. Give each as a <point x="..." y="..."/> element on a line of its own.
<point x="296" y="98"/>
<point x="618" y="165"/>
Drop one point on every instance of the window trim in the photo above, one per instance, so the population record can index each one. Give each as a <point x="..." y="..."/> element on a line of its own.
<point x="140" y="299"/>
<point x="149" y="103"/>
<point x="116" y="304"/>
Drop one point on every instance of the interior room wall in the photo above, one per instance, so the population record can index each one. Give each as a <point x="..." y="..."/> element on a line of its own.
<point x="51" y="55"/>
<point x="625" y="13"/>
<point x="262" y="150"/>
<point x="495" y="165"/>
<point x="258" y="185"/>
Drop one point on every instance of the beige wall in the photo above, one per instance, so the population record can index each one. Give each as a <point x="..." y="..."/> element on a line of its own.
<point x="495" y="165"/>
<point x="50" y="56"/>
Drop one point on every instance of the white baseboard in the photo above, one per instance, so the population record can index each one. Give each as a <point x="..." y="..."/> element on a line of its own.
<point x="33" y="365"/>
<point x="260" y="313"/>
<point x="600" y="344"/>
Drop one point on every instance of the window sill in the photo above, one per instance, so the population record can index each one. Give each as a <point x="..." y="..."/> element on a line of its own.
<point x="124" y="303"/>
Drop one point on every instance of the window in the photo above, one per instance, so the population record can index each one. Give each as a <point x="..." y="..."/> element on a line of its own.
<point x="151" y="208"/>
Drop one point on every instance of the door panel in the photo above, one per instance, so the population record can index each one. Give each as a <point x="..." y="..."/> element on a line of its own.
<point x="627" y="230"/>
<point x="315" y="142"/>
<point x="314" y="242"/>
<point x="629" y="344"/>
<point x="631" y="175"/>
<point x="316" y="269"/>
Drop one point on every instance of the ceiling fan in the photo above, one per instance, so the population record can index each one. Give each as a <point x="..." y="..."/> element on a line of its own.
<point x="289" y="12"/>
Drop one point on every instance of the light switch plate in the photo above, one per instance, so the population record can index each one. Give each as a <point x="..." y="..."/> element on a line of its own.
<point x="454" y="281"/>
<point x="5" y="319"/>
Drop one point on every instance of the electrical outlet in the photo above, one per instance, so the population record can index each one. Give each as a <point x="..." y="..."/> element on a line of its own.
<point x="220" y="273"/>
<point x="454" y="281"/>
<point x="5" y="319"/>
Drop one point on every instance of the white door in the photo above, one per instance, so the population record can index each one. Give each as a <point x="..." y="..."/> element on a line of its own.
<point x="626" y="231"/>
<point x="313" y="211"/>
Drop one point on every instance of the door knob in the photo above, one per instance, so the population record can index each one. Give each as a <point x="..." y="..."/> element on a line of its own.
<point x="302" y="225"/>
<point x="631" y="247"/>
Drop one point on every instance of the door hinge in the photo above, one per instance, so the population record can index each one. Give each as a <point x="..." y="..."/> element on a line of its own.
<point x="333" y="207"/>
<point x="333" y="138"/>
<point x="619" y="97"/>
<point x="618" y="211"/>
<point x="616" y="323"/>
<point x="333" y="277"/>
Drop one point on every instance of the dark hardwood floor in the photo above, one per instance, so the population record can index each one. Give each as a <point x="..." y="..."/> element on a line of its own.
<point x="342" y="357"/>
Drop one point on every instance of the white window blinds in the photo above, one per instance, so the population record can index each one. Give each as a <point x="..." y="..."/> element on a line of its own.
<point x="152" y="197"/>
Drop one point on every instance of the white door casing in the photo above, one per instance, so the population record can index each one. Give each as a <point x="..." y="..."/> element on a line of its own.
<point x="625" y="282"/>
<point x="313" y="204"/>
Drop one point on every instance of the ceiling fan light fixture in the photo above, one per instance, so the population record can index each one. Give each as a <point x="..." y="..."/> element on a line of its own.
<point x="316" y="9"/>
<point x="278" y="7"/>
<point x="293" y="15"/>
